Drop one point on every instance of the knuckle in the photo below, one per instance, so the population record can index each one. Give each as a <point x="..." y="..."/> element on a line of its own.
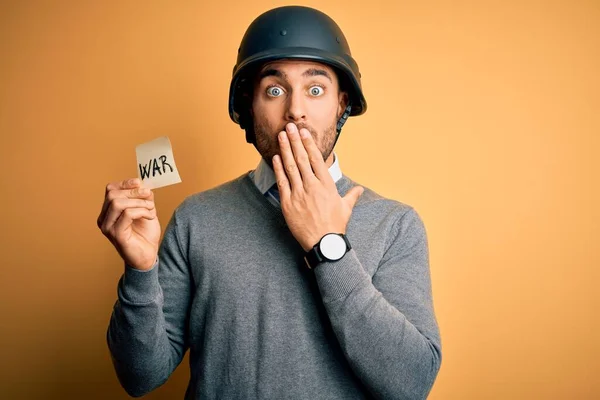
<point x="290" y="167"/>
<point x="104" y="229"/>
<point x="295" y="203"/>
<point x="314" y="159"/>
<point x="311" y="183"/>
<point x="118" y="203"/>
<point x="302" y="158"/>
<point x="119" y="236"/>
<point x="111" y="195"/>
<point x="284" y="207"/>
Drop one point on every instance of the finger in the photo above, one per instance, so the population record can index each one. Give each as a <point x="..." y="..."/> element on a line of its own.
<point x="283" y="183"/>
<point x="300" y="154"/>
<point x="126" y="184"/>
<point x="315" y="156"/>
<point x="289" y="163"/>
<point x="113" y="193"/>
<point x="353" y="195"/>
<point x="112" y="186"/>
<point x="118" y="206"/>
<point x="128" y="216"/>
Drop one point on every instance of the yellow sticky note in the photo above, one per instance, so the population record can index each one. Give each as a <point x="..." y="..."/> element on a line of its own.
<point x="156" y="164"/>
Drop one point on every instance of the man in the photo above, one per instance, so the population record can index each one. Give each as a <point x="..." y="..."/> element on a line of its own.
<point x="290" y="281"/>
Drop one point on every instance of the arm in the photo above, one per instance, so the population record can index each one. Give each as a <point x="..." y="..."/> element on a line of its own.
<point x="147" y="334"/>
<point x="386" y="326"/>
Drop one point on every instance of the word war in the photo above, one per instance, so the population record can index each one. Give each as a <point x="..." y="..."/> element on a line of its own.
<point x="153" y="167"/>
<point x="156" y="163"/>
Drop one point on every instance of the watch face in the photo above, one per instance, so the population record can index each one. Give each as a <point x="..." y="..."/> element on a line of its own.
<point x="333" y="246"/>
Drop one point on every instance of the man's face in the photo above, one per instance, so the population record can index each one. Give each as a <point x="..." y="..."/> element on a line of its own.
<point x="303" y="92"/>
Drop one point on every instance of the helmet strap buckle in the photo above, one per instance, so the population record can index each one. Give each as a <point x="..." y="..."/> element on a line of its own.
<point x="344" y="118"/>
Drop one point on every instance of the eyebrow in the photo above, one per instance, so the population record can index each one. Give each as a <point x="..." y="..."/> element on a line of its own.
<point x="272" y="72"/>
<point x="309" y="72"/>
<point x="317" y="72"/>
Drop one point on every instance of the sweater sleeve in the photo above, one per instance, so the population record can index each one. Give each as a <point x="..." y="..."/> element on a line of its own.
<point x="386" y="325"/>
<point x="147" y="333"/>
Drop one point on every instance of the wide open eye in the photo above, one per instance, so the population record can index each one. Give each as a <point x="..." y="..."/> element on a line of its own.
<point x="274" y="91"/>
<point x="316" y="91"/>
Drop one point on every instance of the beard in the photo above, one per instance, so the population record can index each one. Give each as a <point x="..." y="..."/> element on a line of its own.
<point x="267" y="142"/>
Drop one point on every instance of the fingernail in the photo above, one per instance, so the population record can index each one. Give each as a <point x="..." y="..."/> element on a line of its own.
<point x="292" y="127"/>
<point x="282" y="135"/>
<point x="303" y="133"/>
<point x="144" y="191"/>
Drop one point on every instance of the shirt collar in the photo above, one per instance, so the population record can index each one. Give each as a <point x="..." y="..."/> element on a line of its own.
<point x="264" y="176"/>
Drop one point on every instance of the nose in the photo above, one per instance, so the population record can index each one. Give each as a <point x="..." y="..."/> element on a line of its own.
<point x="296" y="107"/>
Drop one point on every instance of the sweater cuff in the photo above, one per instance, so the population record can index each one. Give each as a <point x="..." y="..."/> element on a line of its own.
<point x="338" y="278"/>
<point x="139" y="286"/>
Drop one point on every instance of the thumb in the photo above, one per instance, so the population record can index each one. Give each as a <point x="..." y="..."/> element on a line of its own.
<point x="353" y="194"/>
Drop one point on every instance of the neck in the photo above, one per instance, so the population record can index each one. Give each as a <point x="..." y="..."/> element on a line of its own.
<point x="329" y="161"/>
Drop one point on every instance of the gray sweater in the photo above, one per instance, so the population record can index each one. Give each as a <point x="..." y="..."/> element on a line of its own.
<point x="231" y="286"/>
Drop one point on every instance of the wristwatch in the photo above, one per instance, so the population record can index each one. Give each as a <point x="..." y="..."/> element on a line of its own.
<point x="331" y="247"/>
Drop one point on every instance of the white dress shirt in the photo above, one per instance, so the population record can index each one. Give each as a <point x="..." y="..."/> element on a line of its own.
<point x="264" y="178"/>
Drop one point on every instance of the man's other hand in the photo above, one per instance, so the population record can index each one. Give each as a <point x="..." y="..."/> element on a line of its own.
<point x="128" y="219"/>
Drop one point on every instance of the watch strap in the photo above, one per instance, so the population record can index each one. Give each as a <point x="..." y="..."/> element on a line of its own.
<point x="313" y="258"/>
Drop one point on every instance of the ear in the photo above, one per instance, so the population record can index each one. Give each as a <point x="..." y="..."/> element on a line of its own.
<point x="342" y="103"/>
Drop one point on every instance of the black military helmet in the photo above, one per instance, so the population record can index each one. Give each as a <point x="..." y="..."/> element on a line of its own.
<point x="292" y="32"/>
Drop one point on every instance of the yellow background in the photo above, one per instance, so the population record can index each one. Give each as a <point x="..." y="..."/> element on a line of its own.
<point x="482" y="115"/>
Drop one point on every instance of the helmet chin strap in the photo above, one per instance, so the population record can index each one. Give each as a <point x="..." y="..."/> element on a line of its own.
<point x="251" y="137"/>
<point x="341" y="122"/>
